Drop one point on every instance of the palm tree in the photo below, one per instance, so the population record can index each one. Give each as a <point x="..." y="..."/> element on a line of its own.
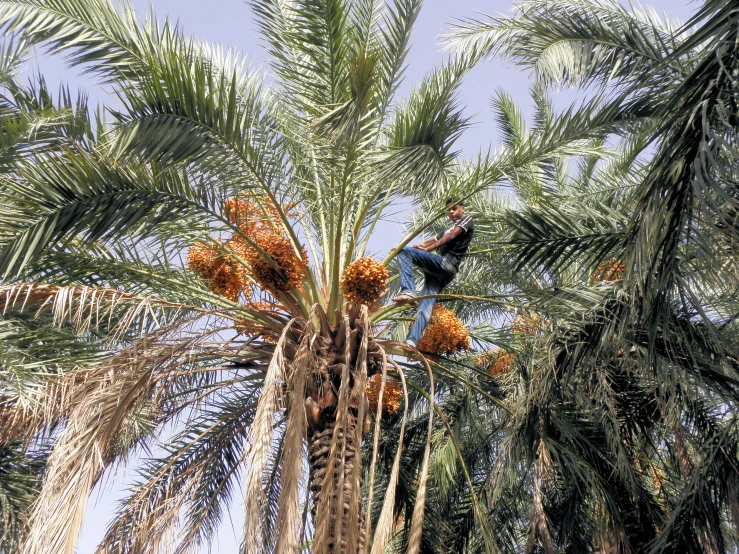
<point x="165" y="255"/>
<point x="32" y="350"/>
<point x="209" y="249"/>
<point x="636" y="275"/>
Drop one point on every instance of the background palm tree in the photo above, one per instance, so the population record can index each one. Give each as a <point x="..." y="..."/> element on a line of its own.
<point x="32" y="350"/>
<point x="635" y="274"/>
<point x="250" y="349"/>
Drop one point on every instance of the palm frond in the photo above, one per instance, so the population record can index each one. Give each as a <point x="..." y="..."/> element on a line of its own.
<point x="425" y="130"/>
<point x="20" y="475"/>
<point x="85" y="194"/>
<point x="555" y="238"/>
<point x="86" y="307"/>
<point x="594" y="41"/>
<point x="188" y="487"/>
<point x="88" y="445"/>
<point x="110" y="41"/>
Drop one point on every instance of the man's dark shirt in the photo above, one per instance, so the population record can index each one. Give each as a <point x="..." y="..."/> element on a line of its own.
<point x="455" y="249"/>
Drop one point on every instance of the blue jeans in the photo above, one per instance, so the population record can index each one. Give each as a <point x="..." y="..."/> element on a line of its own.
<point x="438" y="272"/>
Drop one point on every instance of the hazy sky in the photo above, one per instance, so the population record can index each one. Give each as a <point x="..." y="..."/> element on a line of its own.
<point x="229" y="22"/>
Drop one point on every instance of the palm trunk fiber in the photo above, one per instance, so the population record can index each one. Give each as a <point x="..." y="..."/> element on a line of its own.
<point x="336" y="403"/>
<point x="340" y="516"/>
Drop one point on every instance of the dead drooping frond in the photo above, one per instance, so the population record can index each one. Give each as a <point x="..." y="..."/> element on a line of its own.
<point x="261" y="438"/>
<point x="33" y="412"/>
<point x="355" y="538"/>
<point x="51" y="400"/>
<point x="180" y="497"/>
<point x="84" y="309"/>
<point x="385" y="522"/>
<point x="98" y="408"/>
<point x="88" y="307"/>
<point x="376" y="442"/>
<point x="416" y="529"/>
<point x="288" y="509"/>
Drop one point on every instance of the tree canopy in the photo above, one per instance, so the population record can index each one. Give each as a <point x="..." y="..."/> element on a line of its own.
<point x="190" y="280"/>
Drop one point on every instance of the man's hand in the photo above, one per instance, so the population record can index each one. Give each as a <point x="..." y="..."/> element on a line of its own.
<point x="425" y="245"/>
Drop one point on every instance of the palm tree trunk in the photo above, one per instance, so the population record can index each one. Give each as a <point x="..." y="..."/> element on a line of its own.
<point x="340" y="514"/>
<point x="336" y="402"/>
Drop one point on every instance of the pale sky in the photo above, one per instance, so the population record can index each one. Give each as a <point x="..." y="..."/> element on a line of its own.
<point x="229" y="22"/>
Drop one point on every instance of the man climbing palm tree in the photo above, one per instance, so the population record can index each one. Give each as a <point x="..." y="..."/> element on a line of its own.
<point x="438" y="269"/>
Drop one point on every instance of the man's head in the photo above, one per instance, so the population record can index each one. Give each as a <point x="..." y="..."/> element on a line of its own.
<point x="455" y="209"/>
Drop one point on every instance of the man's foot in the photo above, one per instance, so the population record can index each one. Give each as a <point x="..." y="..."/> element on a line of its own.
<point x="411" y="343"/>
<point x="403" y="298"/>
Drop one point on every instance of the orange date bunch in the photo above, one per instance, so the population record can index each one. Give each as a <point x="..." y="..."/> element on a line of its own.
<point x="608" y="271"/>
<point x="501" y="362"/>
<point x="224" y="274"/>
<point x="250" y="216"/>
<point x="497" y="361"/>
<point x="273" y="261"/>
<point x="445" y="333"/>
<point x="364" y="281"/>
<point x="391" y="396"/>
<point x="528" y="323"/>
<point x="282" y="268"/>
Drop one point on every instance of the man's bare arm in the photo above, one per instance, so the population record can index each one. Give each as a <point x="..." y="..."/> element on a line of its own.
<point x="425" y="244"/>
<point x="454" y="233"/>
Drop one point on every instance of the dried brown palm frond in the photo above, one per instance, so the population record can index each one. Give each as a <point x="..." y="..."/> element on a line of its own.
<point x="414" y="537"/>
<point x="288" y="510"/>
<point x="30" y="413"/>
<point x="355" y="533"/>
<point x="176" y="502"/>
<point x="385" y="521"/>
<point x="54" y="398"/>
<point x="261" y="436"/>
<point x="539" y="526"/>
<point x="86" y="307"/>
<point x="376" y="442"/>
<point x="89" y="442"/>
<point x="156" y="523"/>
<point x="328" y="358"/>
